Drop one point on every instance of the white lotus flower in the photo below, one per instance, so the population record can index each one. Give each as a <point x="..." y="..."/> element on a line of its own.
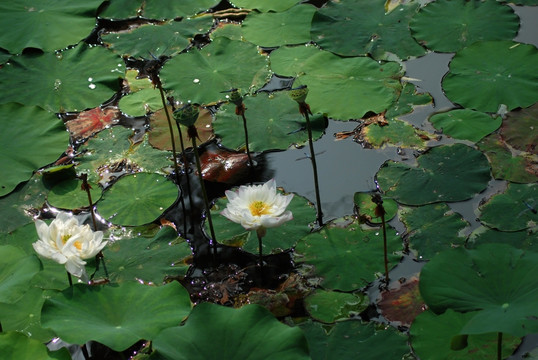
<point x="258" y="207"/>
<point x="67" y="242"/>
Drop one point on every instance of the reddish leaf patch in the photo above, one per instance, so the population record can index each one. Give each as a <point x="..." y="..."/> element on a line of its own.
<point x="404" y="304"/>
<point x="224" y="166"/>
<point x="92" y="121"/>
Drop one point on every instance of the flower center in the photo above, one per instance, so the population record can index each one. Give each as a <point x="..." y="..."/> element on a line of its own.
<point x="66" y="237"/>
<point x="259" y="208"/>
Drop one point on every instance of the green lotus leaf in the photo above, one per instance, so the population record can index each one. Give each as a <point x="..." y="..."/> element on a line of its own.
<point x="149" y="260"/>
<point x="217" y="70"/>
<point x="487" y="74"/>
<point x="25" y="315"/>
<point x="17" y="270"/>
<point x="364" y="28"/>
<point x="155" y="9"/>
<point x="265" y="6"/>
<point x="115" y="315"/>
<point x="68" y="194"/>
<point x="43" y="24"/>
<point x="151" y="40"/>
<point x="136" y="81"/>
<point x="513" y="210"/>
<point x="346" y="257"/>
<point x="354" y="340"/>
<point x="228" y="30"/>
<point x="408" y="99"/>
<point x="25" y="149"/>
<point x="282" y="28"/>
<point x="366" y="207"/>
<point x="14" y="346"/>
<point x="444" y="173"/>
<point x="250" y="332"/>
<point x="525" y="240"/>
<point x="112" y="153"/>
<point x="465" y="124"/>
<point x="496" y="280"/>
<point x="433" y="228"/>
<point x="362" y="84"/>
<point x="449" y="26"/>
<point x="519" y="129"/>
<point x="507" y="164"/>
<point x="273" y="122"/>
<point x="432" y="336"/>
<point x="141" y="102"/>
<point x="277" y="239"/>
<point x="137" y="199"/>
<point x="395" y="133"/>
<point x="330" y="306"/>
<point x="4" y="56"/>
<point x="72" y="80"/>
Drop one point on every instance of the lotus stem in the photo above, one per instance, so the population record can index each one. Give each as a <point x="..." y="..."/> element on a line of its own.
<point x="499" y="345"/>
<point x="250" y="163"/>
<point x="380" y="212"/>
<point x="260" y="233"/>
<point x="193" y="135"/>
<point x="314" y="166"/>
<point x="99" y="257"/>
<point x="70" y="279"/>
<point x="157" y="82"/>
<point x="187" y="179"/>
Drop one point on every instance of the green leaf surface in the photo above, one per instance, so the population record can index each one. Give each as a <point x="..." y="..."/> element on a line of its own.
<point x="277" y="239"/>
<point x="217" y="70"/>
<point x="155" y="9"/>
<point x="465" y="124"/>
<point x="68" y="194"/>
<point x="265" y="6"/>
<point x="444" y="173"/>
<point x="24" y="148"/>
<point x="250" y="332"/>
<point x="330" y="306"/>
<point x="24" y="315"/>
<point x="115" y="315"/>
<point x="525" y="240"/>
<point x="72" y="80"/>
<point x="346" y="257"/>
<point x="149" y="260"/>
<point x="513" y="210"/>
<point x="354" y="340"/>
<point x="496" y="279"/>
<point x="431" y="337"/>
<point x="361" y="28"/>
<point x="433" y="228"/>
<point x="282" y="28"/>
<point x="112" y="153"/>
<point x="17" y="346"/>
<point x="507" y="164"/>
<point x="408" y="99"/>
<point x="366" y="207"/>
<point x="487" y="74"/>
<point x="273" y="123"/>
<point x="395" y="133"/>
<point x="150" y="40"/>
<point x="43" y="24"/>
<point x="137" y="199"/>
<point x="17" y="270"/>
<point x="344" y="88"/>
<point x="141" y="102"/>
<point x="449" y="26"/>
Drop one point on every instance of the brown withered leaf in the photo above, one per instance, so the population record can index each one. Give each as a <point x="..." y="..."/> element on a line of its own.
<point x="220" y="165"/>
<point x="404" y="304"/>
<point x="378" y="119"/>
<point x="90" y="122"/>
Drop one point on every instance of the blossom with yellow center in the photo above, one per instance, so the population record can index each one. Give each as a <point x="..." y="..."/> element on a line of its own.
<point x="67" y="242"/>
<point x="258" y="207"/>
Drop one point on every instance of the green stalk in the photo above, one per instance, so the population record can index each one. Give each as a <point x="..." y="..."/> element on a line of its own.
<point x="69" y="279"/>
<point x="186" y="166"/>
<point x="314" y="167"/>
<point x="499" y="345"/>
<point x="204" y="193"/>
<point x="260" y="233"/>
<point x="251" y="165"/>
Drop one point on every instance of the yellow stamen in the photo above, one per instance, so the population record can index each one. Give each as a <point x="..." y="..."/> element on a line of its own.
<point x="65" y="237"/>
<point x="259" y="208"/>
<point x="78" y="245"/>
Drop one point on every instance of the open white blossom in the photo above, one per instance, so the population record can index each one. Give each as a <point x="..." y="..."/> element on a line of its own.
<point x="258" y="207"/>
<point x="67" y="242"/>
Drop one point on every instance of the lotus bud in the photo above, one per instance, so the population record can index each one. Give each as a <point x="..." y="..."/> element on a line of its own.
<point x="187" y="115"/>
<point x="299" y="93"/>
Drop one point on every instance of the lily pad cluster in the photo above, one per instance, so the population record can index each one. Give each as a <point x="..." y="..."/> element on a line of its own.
<point x="97" y="103"/>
